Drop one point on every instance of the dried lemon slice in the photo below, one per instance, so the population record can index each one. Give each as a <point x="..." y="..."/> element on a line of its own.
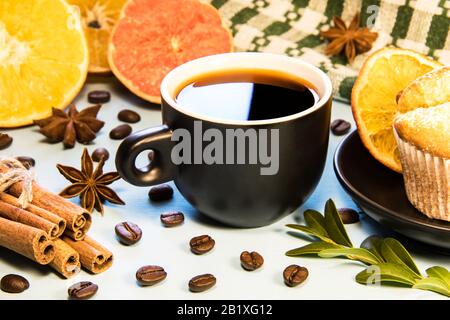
<point x="99" y="18"/>
<point x="43" y="59"/>
<point x="374" y="98"/>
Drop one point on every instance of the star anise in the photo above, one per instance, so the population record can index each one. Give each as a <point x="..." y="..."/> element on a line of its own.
<point x="68" y="127"/>
<point x="351" y="40"/>
<point x="90" y="184"/>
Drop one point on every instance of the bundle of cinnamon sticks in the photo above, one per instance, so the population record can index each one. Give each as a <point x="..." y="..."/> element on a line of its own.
<point x="50" y="230"/>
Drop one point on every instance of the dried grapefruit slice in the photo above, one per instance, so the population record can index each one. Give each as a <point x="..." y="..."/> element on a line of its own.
<point x="43" y="59"/>
<point x="154" y="36"/>
<point x="374" y="98"/>
<point x="99" y="18"/>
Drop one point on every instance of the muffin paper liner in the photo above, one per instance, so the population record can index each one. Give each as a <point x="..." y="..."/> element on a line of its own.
<point x="427" y="180"/>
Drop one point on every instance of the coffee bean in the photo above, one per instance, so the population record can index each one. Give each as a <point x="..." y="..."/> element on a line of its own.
<point x="150" y="275"/>
<point x="340" y="127"/>
<point x="128" y="233"/>
<point x="82" y="290"/>
<point x="27" y="162"/>
<point x="120" y="132"/>
<point x="251" y="260"/>
<point x="5" y="141"/>
<point x="348" y="215"/>
<point x="100" y="153"/>
<point x="99" y="96"/>
<point x="172" y="219"/>
<point x="13" y="283"/>
<point x="202" y="244"/>
<point x="202" y="283"/>
<point x="161" y="193"/>
<point x="129" y="116"/>
<point x="294" y="275"/>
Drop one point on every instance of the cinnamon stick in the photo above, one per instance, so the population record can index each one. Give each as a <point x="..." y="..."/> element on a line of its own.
<point x="28" y="241"/>
<point x="78" y="219"/>
<point x="93" y="256"/>
<point x="47" y="215"/>
<point x="32" y="216"/>
<point x="67" y="260"/>
<point x="13" y="213"/>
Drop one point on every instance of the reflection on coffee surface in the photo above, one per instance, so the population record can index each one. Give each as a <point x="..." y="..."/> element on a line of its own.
<point x="242" y="94"/>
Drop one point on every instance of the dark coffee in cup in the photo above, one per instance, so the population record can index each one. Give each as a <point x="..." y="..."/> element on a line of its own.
<point x="247" y="94"/>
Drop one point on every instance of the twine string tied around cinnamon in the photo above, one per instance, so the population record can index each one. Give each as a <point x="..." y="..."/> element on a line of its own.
<point x="16" y="172"/>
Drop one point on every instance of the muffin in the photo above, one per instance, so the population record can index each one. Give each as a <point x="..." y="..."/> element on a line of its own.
<point x="423" y="138"/>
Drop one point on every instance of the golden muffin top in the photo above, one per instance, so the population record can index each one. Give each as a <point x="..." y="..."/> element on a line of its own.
<point x="427" y="129"/>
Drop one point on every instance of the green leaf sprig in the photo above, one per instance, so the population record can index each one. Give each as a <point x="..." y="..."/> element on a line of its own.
<point x="387" y="260"/>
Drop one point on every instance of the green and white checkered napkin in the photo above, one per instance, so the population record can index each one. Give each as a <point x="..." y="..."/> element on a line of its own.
<point x="292" y="27"/>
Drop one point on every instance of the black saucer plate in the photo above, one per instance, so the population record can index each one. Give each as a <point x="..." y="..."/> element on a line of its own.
<point x="380" y="193"/>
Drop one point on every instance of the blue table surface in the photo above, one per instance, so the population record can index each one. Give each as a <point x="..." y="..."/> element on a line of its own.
<point x="329" y="279"/>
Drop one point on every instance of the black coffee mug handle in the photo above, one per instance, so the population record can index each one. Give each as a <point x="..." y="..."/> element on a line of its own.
<point x="160" y="170"/>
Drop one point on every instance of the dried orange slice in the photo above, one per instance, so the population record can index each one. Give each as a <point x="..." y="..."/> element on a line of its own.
<point x="43" y="59"/>
<point x="99" y="18"/>
<point x="154" y="36"/>
<point x="429" y="90"/>
<point x="374" y="98"/>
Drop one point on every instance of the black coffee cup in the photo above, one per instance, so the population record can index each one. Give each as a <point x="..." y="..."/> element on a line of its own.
<point x="240" y="195"/>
